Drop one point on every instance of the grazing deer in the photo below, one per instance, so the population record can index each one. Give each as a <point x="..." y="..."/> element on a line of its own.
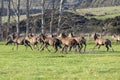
<point x="100" y="42"/>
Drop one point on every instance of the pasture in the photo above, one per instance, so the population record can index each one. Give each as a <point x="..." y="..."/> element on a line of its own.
<point x="101" y="13"/>
<point x="43" y="65"/>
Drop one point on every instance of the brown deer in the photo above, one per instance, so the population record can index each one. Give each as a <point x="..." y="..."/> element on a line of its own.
<point x="67" y="42"/>
<point x="116" y="38"/>
<point x="50" y="40"/>
<point x="32" y="39"/>
<point x="17" y="40"/>
<point x="81" y="41"/>
<point x="100" y="42"/>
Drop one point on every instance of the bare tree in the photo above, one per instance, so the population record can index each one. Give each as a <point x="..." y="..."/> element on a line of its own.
<point x="52" y="15"/>
<point x="60" y="15"/>
<point x="1" y="14"/>
<point x="27" y="15"/>
<point x="18" y="17"/>
<point x="17" y="14"/>
<point x="43" y="11"/>
<point x="8" y="14"/>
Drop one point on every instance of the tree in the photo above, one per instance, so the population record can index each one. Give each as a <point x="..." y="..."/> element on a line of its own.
<point x="1" y="14"/>
<point x="52" y="15"/>
<point x="8" y="14"/>
<point x="43" y="11"/>
<point x="18" y="17"/>
<point x="60" y="15"/>
<point x="17" y="14"/>
<point x="27" y="15"/>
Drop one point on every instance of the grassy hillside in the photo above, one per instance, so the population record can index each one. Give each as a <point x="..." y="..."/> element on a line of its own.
<point x="44" y="65"/>
<point x="98" y="3"/>
<point x="77" y="23"/>
<point x="22" y="17"/>
<point x="101" y="13"/>
<point x="77" y="3"/>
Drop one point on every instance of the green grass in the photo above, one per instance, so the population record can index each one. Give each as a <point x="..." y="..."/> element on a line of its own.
<point x="5" y="18"/>
<point x="22" y="17"/>
<point x="43" y="65"/>
<point x="101" y="13"/>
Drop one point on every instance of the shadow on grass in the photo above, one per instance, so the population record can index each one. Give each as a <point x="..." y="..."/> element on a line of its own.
<point x="59" y="56"/>
<point x="101" y="52"/>
<point x="111" y="70"/>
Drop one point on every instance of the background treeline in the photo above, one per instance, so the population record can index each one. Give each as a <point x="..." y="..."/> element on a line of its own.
<point x="54" y="16"/>
<point x="68" y="4"/>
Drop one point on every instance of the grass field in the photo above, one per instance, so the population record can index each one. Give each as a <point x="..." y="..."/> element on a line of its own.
<point x="101" y="13"/>
<point x="22" y="17"/>
<point x="5" y="18"/>
<point x="42" y="65"/>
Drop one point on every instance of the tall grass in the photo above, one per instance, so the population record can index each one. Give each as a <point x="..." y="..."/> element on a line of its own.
<point x="43" y="65"/>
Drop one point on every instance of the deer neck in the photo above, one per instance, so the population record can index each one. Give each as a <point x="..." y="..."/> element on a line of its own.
<point x="95" y="37"/>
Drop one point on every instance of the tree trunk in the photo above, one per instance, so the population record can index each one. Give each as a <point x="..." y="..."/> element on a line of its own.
<point x="1" y="14"/>
<point x="18" y="17"/>
<point x="52" y="16"/>
<point x="43" y="21"/>
<point x="27" y="15"/>
<point x="8" y="14"/>
<point x="60" y="15"/>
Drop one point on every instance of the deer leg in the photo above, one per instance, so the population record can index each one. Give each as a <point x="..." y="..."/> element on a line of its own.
<point x="36" y="45"/>
<point x="66" y="47"/>
<point x="42" y="46"/>
<point x="60" y="46"/>
<point x="81" y="47"/>
<point x="70" y="48"/>
<point x="17" y="46"/>
<point x="47" y="47"/>
<point x="13" y="47"/>
<point x="56" y="48"/>
<point x="33" y="45"/>
<point x="78" y="48"/>
<point x="84" y="47"/>
<point x="111" y="47"/>
<point x="63" y="48"/>
<point x="26" y="43"/>
<point x="99" y="46"/>
<point x="95" y="47"/>
<point x="30" y="46"/>
<point x="107" y="47"/>
<point x="26" y="47"/>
